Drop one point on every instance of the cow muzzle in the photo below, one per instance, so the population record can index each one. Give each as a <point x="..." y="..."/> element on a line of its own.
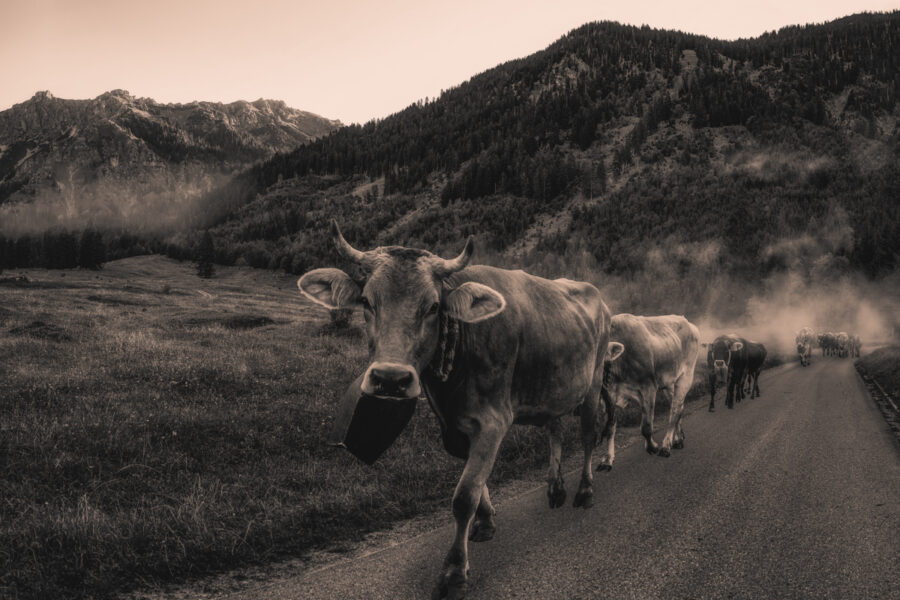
<point x="721" y="369"/>
<point x="391" y="380"/>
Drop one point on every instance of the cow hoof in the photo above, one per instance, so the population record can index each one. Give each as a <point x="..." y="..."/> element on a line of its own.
<point x="678" y="445"/>
<point x="604" y="467"/>
<point x="557" y="497"/>
<point x="712" y="408"/>
<point x="450" y="587"/>
<point x="482" y="532"/>
<point x="584" y="499"/>
<point x="651" y="449"/>
<point x="663" y="452"/>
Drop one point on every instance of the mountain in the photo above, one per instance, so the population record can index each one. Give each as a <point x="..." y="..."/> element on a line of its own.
<point x="105" y="159"/>
<point x="624" y="150"/>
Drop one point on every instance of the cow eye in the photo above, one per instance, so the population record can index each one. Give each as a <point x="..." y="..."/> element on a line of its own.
<point x="432" y="310"/>
<point x="366" y="304"/>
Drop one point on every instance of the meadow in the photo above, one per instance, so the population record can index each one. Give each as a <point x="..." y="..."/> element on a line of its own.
<point x="157" y="427"/>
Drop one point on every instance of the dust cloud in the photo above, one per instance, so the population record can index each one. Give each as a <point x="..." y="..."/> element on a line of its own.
<point x="160" y="204"/>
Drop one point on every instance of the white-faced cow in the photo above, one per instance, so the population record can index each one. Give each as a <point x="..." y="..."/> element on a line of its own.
<point x="489" y="347"/>
<point x="727" y="360"/>
<point x="660" y="354"/>
<point x="805" y="338"/>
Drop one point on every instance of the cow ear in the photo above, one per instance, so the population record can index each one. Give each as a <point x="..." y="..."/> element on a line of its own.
<point x="473" y="302"/>
<point x="736" y="346"/>
<point x="614" y="350"/>
<point x="331" y="288"/>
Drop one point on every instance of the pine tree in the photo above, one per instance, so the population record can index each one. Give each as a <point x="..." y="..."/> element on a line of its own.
<point x="91" y="250"/>
<point x="205" y="255"/>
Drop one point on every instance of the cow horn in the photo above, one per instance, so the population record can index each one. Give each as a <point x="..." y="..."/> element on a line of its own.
<point x="348" y="251"/>
<point x="443" y="267"/>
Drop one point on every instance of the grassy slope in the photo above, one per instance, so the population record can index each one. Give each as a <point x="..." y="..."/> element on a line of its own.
<point x="884" y="366"/>
<point x="156" y="427"/>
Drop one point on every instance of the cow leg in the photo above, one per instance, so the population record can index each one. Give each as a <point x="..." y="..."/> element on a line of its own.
<point x="648" y="405"/>
<point x="609" y="432"/>
<point x="712" y="391"/>
<point x="675" y="436"/>
<point x="729" y="393"/>
<point x="585" y="495"/>
<point x="469" y="494"/>
<point x="756" y="384"/>
<point x="483" y="527"/>
<point x="556" y="487"/>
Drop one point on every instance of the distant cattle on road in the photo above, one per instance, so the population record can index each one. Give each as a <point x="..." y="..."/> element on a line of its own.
<point x="659" y="355"/>
<point x="488" y="347"/>
<point x="828" y="343"/>
<point x="842" y="342"/>
<point x="805" y="338"/>
<point x="855" y="345"/>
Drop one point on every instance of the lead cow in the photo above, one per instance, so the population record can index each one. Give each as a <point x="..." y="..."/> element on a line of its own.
<point x="489" y="347"/>
<point x="660" y="354"/>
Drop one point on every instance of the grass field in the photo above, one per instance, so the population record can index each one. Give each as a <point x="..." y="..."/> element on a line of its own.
<point x="156" y="427"/>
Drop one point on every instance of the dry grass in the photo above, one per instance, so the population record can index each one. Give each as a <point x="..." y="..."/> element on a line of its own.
<point x="155" y="427"/>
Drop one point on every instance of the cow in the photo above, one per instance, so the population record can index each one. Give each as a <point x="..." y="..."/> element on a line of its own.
<point x="660" y="354"/>
<point x="804" y="351"/>
<point x="855" y="345"/>
<point x="829" y="344"/>
<point x="488" y="347"/>
<point x="842" y="344"/>
<point x="756" y="357"/>
<point x="804" y="339"/>
<point x="727" y="360"/>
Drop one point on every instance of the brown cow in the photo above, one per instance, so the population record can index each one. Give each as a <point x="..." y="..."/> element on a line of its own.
<point x="489" y="347"/>
<point x="660" y="354"/>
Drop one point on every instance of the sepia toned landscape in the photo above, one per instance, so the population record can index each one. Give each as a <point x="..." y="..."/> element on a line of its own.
<point x="693" y="239"/>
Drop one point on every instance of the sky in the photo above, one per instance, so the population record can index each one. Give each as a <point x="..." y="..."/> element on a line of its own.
<point x="341" y="59"/>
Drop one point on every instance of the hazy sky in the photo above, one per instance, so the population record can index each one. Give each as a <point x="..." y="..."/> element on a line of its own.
<point x="347" y="60"/>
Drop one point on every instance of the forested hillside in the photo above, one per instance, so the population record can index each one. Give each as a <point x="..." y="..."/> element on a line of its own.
<point x="613" y="148"/>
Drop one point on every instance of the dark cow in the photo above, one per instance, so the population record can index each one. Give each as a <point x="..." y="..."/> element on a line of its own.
<point x="756" y="357"/>
<point x="727" y="361"/>
<point x="829" y="344"/>
<point x="660" y="355"/>
<point x="489" y="347"/>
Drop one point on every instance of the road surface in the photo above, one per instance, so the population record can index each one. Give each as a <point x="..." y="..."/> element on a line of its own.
<point x="795" y="494"/>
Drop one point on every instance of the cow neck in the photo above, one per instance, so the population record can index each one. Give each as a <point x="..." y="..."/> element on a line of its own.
<point x="442" y="362"/>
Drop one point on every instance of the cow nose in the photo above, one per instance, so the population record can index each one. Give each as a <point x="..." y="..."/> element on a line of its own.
<point x="720" y="363"/>
<point x="392" y="380"/>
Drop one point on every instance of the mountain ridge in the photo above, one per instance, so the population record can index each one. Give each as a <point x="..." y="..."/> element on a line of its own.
<point x="608" y="120"/>
<point x="117" y="143"/>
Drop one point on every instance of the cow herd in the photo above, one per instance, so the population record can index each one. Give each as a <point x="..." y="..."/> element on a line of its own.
<point x="491" y="347"/>
<point x="842" y="344"/>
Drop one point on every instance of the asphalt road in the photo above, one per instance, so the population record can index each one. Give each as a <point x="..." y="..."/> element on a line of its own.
<point x="795" y="494"/>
